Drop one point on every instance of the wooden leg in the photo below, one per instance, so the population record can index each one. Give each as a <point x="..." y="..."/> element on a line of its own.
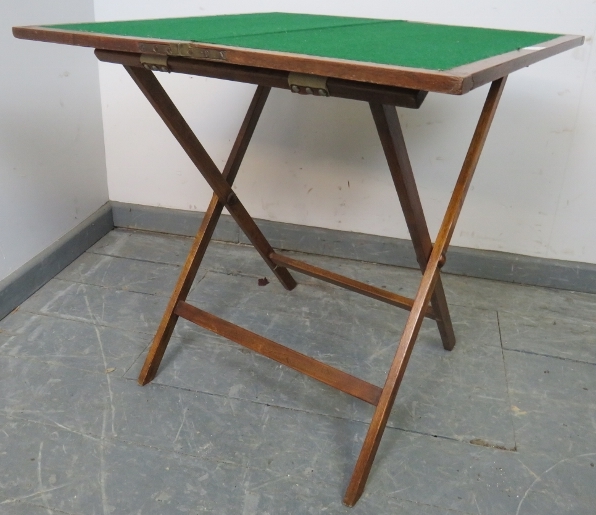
<point x="202" y="239"/>
<point x="169" y="113"/>
<point x="423" y="296"/>
<point x="394" y="146"/>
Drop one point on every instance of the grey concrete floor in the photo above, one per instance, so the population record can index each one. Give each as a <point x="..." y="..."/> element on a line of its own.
<point x="504" y="424"/>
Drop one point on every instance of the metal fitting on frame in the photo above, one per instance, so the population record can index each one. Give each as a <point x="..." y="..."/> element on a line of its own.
<point x="305" y="84"/>
<point x="154" y="62"/>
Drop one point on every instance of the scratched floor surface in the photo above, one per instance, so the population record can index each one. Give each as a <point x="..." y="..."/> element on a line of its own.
<point x="504" y="424"/>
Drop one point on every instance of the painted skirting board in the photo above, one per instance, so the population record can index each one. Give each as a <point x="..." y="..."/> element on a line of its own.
<point x="27" y="279"/>
<point x="484" y="264"/>
<point x="500" y="266"/>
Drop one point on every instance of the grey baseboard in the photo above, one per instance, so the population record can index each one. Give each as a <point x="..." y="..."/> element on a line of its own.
<point x="170" y="221"/>
<point x="25" y="281"/>
<point x="484" y="264"/>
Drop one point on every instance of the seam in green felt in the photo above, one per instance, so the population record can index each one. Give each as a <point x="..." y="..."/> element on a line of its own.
<point x="387" y="42"/>
<point x="294" y="31"/>
<point x="210" y="27"/>
<point x="401" y="43"/>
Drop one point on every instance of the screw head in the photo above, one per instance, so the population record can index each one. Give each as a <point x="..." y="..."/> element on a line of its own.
<point x="232" y="199"/>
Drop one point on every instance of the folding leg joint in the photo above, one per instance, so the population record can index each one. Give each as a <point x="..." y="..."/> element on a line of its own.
<point x="156" y="63"/>
<point x="231" y="199"/>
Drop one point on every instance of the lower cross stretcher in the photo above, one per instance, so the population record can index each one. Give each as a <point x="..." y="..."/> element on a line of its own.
<point x="386" y="63"/>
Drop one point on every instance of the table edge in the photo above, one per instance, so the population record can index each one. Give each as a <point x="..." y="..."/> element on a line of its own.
<point x="492" y="68"/>
<point x="455" y="81"/>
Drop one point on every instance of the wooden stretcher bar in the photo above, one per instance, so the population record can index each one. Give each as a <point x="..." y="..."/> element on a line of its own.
<point x="311" y="367"/>
<point x="345" y="282"/>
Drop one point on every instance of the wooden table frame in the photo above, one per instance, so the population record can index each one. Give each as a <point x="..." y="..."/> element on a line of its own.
<point x="430" y="299"/>
<point x="383" y="87"/>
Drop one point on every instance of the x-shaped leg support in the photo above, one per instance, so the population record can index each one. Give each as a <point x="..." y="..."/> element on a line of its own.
<point x="429" y="301"/>
<point x="223" y="196"/>
<point x="428" y="287"/>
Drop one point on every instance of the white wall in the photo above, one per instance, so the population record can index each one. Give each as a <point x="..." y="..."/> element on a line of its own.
<point x="535" y="188"/>
<point x="52" y="161"/>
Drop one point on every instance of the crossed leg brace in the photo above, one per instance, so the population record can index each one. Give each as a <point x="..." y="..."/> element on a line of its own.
<point x="430" y="298"/>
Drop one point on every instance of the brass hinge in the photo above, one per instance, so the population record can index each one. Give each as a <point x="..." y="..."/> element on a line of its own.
<point x="183" y="50"/>
<point x="306" y="84"/>
<point x="155" y="62"/>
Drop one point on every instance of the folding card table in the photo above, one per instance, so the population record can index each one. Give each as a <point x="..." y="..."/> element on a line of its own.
<point x="386" y="63"/>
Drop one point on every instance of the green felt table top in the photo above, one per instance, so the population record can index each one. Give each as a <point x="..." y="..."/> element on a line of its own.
<point x="389" y="42"/>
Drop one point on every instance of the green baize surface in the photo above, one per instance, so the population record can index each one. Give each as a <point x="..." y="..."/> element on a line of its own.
<point x="389" y="42"/>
